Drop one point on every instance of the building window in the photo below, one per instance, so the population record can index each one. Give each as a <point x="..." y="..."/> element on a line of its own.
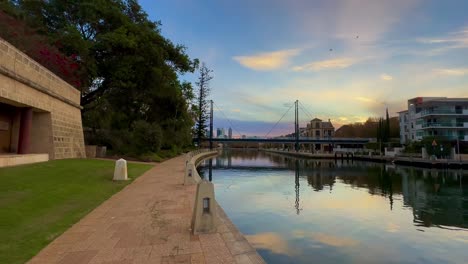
<point x="317" y="133"/>
<point x="317" y="125"/>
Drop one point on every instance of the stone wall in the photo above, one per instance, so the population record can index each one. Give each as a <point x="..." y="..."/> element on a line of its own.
<point x="57" y="126"/>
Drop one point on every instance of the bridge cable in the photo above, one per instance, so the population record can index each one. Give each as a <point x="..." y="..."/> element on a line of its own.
<point x="278" y="121"/>
<point x="305" y="110"/>
<point x="227" y="119"/>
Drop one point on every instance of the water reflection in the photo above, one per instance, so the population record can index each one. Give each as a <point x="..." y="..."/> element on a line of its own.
<point x="294" y="210"/>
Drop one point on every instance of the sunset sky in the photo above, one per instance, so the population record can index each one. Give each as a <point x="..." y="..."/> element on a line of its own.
<point x="343" y="59"/>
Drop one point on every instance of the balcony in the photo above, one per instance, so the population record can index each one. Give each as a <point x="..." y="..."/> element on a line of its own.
<point x="445" y="125"/>
<point x="442" y="112"/>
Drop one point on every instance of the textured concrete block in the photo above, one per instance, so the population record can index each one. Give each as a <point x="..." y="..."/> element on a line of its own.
<point x="204" y="211"/>
<point x="120" y="171"/>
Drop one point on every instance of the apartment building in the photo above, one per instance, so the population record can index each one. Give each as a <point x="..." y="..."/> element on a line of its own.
<point x="434" y="116"/>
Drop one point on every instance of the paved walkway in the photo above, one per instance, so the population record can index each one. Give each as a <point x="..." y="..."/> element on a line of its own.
<point x="149" y="222"/>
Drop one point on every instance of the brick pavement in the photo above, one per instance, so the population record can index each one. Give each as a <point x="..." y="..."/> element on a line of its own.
<point x="149" y="222"/>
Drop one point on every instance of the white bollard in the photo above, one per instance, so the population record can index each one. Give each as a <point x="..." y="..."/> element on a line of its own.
<point x="120" y="171"/>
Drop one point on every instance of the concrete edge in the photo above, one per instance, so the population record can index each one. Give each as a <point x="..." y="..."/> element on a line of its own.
<point x="223" y="219"/>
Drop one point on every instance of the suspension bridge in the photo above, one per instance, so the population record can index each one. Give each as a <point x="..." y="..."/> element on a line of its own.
<point x="296" y="138"/>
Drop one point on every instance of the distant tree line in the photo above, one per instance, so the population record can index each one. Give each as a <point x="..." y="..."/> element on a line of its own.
<point x="370" y="128"/>
<point x="128" y="73"/>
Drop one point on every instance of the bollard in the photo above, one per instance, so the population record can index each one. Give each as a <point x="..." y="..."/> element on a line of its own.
<point x="190" y="171"/>
<point x="120" y="171"/>
<point x="204" y="211"/>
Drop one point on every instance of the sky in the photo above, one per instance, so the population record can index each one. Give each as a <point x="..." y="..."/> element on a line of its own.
<point x="344" y="60"/>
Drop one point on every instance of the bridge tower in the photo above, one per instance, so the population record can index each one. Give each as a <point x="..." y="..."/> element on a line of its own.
<point x="211" y="124"/>
<point x="296" y="125"/>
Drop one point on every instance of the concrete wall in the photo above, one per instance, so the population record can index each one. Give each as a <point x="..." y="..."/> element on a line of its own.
<point x="25" y="83"/>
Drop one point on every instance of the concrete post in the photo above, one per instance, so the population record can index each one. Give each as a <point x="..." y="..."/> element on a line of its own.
<point x="204" y="211"/>
<point x="24" y="142"/>
<point x="190" y="171"/>
<point x="120" y="171"/>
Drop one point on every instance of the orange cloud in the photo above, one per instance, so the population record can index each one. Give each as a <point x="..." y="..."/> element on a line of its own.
<point x="386" y="77"/>
<point x="271" y="241"/>
<point x="267" y="60"/>
<point x="340" y="63"/>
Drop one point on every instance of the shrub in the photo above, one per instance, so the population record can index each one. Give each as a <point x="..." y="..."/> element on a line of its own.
<point x="146" y="137"/>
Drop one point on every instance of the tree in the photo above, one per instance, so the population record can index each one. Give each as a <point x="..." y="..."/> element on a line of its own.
<point x="386" y="137"/>
<point x="128" y="72"/>
<point x="202" y="102"/>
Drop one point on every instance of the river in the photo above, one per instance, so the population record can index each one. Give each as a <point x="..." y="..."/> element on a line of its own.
<point x="322" y="211"/>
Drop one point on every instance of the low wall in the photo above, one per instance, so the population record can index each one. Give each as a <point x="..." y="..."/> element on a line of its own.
<point x="15" y="160"/>
<point x="195" y="158"/>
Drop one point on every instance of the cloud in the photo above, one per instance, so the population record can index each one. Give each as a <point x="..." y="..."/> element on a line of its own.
<point x="267" y="61"/>
<point x="270" y="241"/>
<point x="236" y="110"/>
<point x="334" y="241"/>
<point x="339" y="63"/>
<point x="452" y="71"/>
<point x="364" y="99"/>
<point x="327" y="239"/>
<point x="453" y="40"/>
<point x="386" y="77"/>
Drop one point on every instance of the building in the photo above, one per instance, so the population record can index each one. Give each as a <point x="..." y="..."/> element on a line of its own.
<point x="230" y="133"/>
<point x="320" y="130"/>
<point x="40" y="114"/>
<point x="434" y="116"/>
<point x="220" y="133"/>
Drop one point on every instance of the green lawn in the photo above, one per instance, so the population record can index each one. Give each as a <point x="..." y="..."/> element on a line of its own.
<point x="38" y="202"/>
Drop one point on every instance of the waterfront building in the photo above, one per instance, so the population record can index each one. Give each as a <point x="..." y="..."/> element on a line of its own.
<point x="434" y="116"/>
<point x="320" y="130"/>
<point x="230" y="133"/>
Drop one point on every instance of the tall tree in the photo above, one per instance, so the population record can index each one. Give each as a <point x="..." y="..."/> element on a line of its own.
<point x="129" y="73"/>
<point x="387" y="127"/>
<point x="203" y="84"/>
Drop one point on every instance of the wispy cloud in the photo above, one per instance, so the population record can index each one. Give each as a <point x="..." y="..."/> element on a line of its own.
<point x="454" y="40"/>
<point x="452" y="71"/>
<point x="386" y="77"/>
<point x="339" y="63"/>
<point x="267" y="60"/>
<point x="364" y="99"/>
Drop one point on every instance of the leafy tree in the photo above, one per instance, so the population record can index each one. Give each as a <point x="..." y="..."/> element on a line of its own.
<point x="202" y="101"/>
<point x="127" y="72"/>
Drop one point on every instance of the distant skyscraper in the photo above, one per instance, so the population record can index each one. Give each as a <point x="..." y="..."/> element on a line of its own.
<point x="230" y="133"/>
<point x="219" y="132"/>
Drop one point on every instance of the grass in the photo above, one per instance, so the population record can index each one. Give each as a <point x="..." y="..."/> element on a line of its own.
<point x="38" y="202"/>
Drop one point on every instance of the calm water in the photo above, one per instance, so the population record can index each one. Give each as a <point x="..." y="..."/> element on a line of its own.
<point x="317" y="211"/>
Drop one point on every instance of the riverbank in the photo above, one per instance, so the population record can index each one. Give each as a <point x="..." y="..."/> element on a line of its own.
<point x="149" y="222"/>
<point x="408" y="161"/>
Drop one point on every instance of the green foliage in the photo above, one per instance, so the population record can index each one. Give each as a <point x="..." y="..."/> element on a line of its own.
<point x="368" y="129"/>
<point x="146" y="137"/>
<point x="202" y="101"/>
<point x="414" y="147"/>
<point x="129" y="72"/>
<point x="34" y="212"/>
<point x="442" y="148"/>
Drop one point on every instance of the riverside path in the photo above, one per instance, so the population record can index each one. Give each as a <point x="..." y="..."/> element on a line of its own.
<point x="149" y="222"/>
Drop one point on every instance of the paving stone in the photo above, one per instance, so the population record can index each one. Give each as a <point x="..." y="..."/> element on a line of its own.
<point x="149" y="221"/>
